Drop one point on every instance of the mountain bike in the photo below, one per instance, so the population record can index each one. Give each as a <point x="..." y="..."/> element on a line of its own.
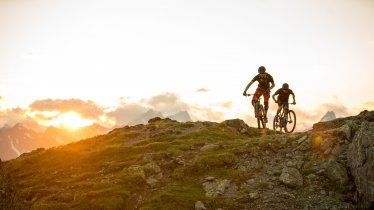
<point x="259" y="112"/>
<point x="285" y="119"/>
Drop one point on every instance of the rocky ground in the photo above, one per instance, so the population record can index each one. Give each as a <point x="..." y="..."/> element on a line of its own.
<point x="200" y="165"/>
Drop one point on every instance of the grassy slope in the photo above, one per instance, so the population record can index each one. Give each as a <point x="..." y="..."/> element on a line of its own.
<point x="93" y="173"/>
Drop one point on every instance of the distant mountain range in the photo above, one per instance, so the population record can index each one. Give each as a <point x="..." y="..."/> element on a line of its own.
<point x="21" y="138"/>
<point x="181" y="116"/>
<point x="25" y="137"/>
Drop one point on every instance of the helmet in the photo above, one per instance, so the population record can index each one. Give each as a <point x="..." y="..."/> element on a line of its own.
<point x="285" y="86"/>
<point x="261" y="69"/>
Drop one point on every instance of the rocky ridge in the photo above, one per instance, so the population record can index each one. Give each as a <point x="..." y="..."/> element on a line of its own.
<point x="203" y="165"/>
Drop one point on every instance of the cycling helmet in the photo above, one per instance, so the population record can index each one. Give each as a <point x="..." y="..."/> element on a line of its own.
<point x="261" y="69"/>
<point x="285" y="86"/>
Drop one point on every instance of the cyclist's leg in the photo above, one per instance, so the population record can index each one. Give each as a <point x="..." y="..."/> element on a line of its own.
<point x="255" y="97"/>
<point x="279" y="108"/>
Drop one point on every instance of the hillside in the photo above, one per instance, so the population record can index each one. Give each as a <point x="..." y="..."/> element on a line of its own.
<point x="200" y="165"/>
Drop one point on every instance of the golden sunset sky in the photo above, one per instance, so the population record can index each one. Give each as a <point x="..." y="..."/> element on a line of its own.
<point x="106" y="60"/>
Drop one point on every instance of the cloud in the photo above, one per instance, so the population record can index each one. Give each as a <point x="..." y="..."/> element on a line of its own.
<point x="12" y="116"/>
<point x="167" y="103"/>
<point x="368" y="105"/>
<point x="126" y="113"/>
<point x="205" y="114"/>
<point x="372" y="42"/>
<point x="306" y="118"/>
<point x="87" y="109"/>
<point x="226" y="105"/>
<point x="170" y="103"/>
<point x="203" y="90"/>
<point x="339" y="109"/>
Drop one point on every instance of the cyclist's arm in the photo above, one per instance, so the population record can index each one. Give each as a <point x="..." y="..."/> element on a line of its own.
<point x="271" y="86"/>
<point x="293" y="96"/>
<point x="273" y="96"/>
<point x="246" y="88"/>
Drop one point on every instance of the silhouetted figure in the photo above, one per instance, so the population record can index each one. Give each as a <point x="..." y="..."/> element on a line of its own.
<point x="283" y="95"/>
<point x="265" y="84"/>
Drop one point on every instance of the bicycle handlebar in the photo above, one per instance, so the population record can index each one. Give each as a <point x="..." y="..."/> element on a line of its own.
<point x="249" y="94"/>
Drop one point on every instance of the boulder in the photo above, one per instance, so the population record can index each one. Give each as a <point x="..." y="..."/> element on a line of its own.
<point x="254" y="195"/>
<point x="136" y="169"/>
<point x="155" y="119"/>
<point x="366" y="115"/>
<point x="291" y="177"/>
<point x="199" y="205"/>
<point x="346" y="130"/>
<point x="327" y="144"/>
<point x="152" y="182"/>
<point x="216" y="187"/>
<point x="302" y="139"/>
<point x="209" y="147"/>
<point x="304" y="144"/>
<point x="151" y="168"/>
<point x="231" y="191"/>
<point x="295" y="163"/>
<point x="361" y="164"/>
<point x="210" y="178"/>
<point x="237" y="124"/>
<point x="337" y="173"/>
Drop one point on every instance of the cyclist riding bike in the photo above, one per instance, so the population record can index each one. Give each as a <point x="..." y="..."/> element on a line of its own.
<point x="283" y="96"/>
<point x="265" y="84"/>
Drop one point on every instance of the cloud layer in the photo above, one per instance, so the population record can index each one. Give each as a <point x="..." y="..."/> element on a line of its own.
<point x="87" y="109"/>
<point x="168" y="104"/>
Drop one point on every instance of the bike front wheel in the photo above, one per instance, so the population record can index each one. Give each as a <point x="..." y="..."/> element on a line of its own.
<point x="291" y="122"/>
<point x="260" y="118"/>
<point x="276" y="123"/>
<point x="260" y="122"/>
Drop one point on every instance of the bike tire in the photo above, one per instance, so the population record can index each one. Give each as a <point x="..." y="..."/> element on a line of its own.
<point x="260" y="120"/>
<point x="276" y="124"/>
<point x="290" y="118"/>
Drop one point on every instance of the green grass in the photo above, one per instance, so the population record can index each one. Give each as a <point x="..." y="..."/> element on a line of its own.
<point x="184" y="197"/>
<point x="93" y="173"/>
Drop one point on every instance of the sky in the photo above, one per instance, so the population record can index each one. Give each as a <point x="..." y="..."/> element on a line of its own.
<point x="123" y="57"/>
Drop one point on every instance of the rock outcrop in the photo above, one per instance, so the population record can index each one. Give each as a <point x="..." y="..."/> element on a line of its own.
<point x="361" y="163"/>
<point x="348" y="145"/>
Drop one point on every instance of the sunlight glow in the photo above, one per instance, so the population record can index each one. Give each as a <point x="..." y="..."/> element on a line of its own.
<point x="106" y="121"/>
<point x="70" y="120"/>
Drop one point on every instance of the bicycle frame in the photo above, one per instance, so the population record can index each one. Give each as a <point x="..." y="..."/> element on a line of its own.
<point x="284" y="118"/>
<point x="259" y="112"/>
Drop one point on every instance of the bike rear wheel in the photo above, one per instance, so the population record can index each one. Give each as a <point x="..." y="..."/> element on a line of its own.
<point x="291" y="122"/>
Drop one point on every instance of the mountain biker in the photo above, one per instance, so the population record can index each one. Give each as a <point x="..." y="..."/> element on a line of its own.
<point x="283" y="95"/>
<point x="265" y="84"/>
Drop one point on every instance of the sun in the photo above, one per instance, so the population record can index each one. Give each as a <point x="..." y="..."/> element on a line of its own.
<point x="71" y="120"/>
